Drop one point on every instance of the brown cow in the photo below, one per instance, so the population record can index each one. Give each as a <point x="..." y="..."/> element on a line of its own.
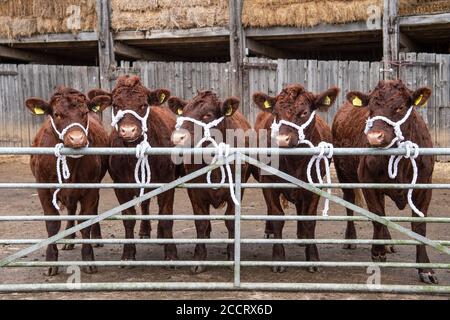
<point x="129" y="94"/>
<point x="296" y="105"/>
<point x="206" y="107"/>
<point x="391" y="99"/>
<point x="68" y="106"/>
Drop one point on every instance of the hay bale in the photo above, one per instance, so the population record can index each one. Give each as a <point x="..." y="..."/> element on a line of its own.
<point x="415" y="7"/>
<point x="21" y="18"/>
<point x="168" y="14"/>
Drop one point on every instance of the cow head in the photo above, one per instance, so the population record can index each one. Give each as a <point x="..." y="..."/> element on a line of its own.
<point x="130" y="94"/>
<point x="294" y="104"/>
<point x="68" y="106"/>
<point x="390" y="99"/>
<point x="204" y="107"/>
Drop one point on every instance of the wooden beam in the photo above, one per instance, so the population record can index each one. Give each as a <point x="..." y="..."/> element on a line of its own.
<point x="23" y="55"/>
<point x="425" y="20"/>
<point x="88" y="36"/>
<point x="237" y="47"/>
<point x="390" y="39"/>
<point x="407" y="44"/>
<point x="265" y="50"/>
<point x="138" y="53"/>
<point x="210" y="32"/>
<point x="106" y="58"/>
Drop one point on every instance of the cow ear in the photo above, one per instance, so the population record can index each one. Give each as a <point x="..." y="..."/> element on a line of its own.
<point x="229" y="106"/>
<point x="326" y="99"/>
<point x="421" y="96"/>
<point x="358" y="99"/>
<point x="97" y="92"/>
<point x="264" y="102"/>
<point x="176" y="105"/>
<point x="99" y="103"/>
<point x="38" y="106"/>
<point x="158" y="97"/>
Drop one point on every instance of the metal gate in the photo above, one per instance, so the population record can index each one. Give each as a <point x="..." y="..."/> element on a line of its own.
<point x="238" y="155"/>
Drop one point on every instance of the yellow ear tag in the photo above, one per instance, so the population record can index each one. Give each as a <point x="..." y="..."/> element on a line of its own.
<point x="357" y="102"/>
<point x="267" y="104"/>
<point x="162" y="97"/>
<point x="38" y="111"/>
<point x="179" y="111"/>
<point x="229" y="111"/>
<point x="96" y="108"/>
<point x="327" y="101"/>
<point x="419" y="98"/>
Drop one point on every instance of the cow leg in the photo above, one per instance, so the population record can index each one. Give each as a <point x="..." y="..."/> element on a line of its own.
<point x="129" y="249"/>
<point x="145" y="227"/>
<point x="375" y="204"/>
<point x="165" y="227"/>
<point x="51" y="254"/>
<point x="272" y="198"/>
<point x="421" y="199"/>
<point x="203" y="228"/>
<point x="230" y="227"/>
<point x="350" y="231"/>
<point x="96" y="231"/>
<point x="308" y="228"/>
<point x="71" y="211"/>
<point x="89" y="205"/>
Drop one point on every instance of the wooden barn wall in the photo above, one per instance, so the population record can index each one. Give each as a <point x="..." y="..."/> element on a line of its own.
<point x="17" y="82"/>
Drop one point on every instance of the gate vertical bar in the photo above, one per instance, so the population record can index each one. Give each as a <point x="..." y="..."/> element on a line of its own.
<point x="237" y="221"/>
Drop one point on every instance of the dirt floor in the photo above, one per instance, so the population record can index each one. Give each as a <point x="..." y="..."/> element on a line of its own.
<point x="15" y="202"/>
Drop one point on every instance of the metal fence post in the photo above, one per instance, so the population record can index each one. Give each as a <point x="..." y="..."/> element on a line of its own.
<point x="237" y="221"/>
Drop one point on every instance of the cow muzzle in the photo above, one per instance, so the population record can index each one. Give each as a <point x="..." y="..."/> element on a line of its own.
<point x="283" y="140"/>
<point x="129" y="133"/>
<point x="377" y="138"/>
<point x="180" y="138"/>
<point x="75" y="139"/>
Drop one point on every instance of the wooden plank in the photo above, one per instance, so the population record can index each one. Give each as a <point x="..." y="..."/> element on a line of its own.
<point x="259" y="48"/>
<point x="443" y="103"/>
<point x="424" y="20"/>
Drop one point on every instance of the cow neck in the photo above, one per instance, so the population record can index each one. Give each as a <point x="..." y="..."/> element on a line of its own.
<point x="62" y="167"/>
<point x="411" y="148"/>
<point x="142" y="171"/>
<point x="222" y="150"/>
<point x="325" y="152"/>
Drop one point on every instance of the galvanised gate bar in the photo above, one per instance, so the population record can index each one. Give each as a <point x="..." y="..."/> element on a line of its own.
<point x="238" y="155"/>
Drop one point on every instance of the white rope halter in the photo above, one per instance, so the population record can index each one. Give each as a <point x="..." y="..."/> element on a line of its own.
<point x="222" y="151"/>
<point x="142" y="163"/>
<point x="62" y="169"/>
<point x="326" y="153"/>
<point x="412" y="152"/>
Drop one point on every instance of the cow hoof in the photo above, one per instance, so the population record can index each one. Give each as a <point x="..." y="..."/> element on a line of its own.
<point x="68" y="247"/>
<point x="89" y="269"/>
<point x="198" y="269"/>
<point x="428" y="278"/>
<point x="390" y="249"/>
<point x="278" y="269"/>
<point x="379" y="258"/>
<point x="314" y="269"/>
<point x="52" y="271"/>
<point x="125" y="266"/>
<point x="349" y="246"/>
<point x="98" y="245"/>
<point x="268" y="236"/>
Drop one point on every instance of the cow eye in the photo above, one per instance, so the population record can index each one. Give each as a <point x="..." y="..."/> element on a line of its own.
<point x="207" y="116"/>
<point x="58" y="116"/>
<point x="399" y="109"/>
<point x="304" y="114"/>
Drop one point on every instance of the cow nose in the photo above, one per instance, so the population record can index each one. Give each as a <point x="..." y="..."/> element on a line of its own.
<point x="179" y="138"/>
<point x="127" y="131"/>
<point x="375" y="138"/>
<point x="77" y="139"/>
<point x="283" y="140"/>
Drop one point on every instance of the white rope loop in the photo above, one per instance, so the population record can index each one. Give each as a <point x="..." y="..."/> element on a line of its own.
<point x="62" y="169"/>
<point x="142" y="164"/>
<point x="221" y="153"/>
<point x="325" y="153"/>
<point x="412" y="152"/>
